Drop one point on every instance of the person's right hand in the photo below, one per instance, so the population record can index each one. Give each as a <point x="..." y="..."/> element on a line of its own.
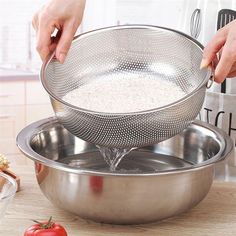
<point x="224" y="44"/>
<point x="63" y="15"/>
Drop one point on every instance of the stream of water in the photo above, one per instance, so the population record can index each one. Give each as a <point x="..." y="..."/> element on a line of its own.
<point x="113" y="156"/>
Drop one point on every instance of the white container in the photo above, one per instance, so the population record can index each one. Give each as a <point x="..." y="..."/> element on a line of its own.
<point x="219" y="110"/>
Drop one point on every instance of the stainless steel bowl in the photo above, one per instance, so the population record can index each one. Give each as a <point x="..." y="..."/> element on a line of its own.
<point x="151" y="184"/>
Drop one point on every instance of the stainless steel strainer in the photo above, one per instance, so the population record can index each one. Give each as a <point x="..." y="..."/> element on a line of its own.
<point x="115" y="51"/>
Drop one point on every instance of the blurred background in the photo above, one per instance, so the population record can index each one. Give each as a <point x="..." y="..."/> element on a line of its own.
<point x="17" y="37"/>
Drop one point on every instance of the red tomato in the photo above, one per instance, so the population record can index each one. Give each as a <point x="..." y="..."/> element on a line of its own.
<point x="45" y="229"/>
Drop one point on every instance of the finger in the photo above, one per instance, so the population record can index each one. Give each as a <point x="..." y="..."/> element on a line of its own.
<point x="54" y="41"/>
<point x="64" y="43"/>
<point x="43" y="43"/>
<point x="232" y="74"/>
<point x="213" y="47"/>
<point x="35" y="20"/>
<point x="44" y="38"/>
<point x="228" y="58"/>
<point x="214" y="62"/>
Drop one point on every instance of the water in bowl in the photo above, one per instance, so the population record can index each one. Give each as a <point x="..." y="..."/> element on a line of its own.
<point x="139" y="161"/>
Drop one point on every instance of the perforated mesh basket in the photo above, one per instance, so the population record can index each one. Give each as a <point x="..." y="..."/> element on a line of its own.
<point x="116" y="51"/>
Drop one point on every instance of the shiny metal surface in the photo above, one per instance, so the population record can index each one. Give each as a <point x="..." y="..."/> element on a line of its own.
<point x="152" y="183"/>
<point x="114" y="52"/>
<point x="195" y="23"/>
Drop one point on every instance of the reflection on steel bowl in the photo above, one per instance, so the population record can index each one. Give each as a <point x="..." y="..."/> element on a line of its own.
<point x="151" y="183"/>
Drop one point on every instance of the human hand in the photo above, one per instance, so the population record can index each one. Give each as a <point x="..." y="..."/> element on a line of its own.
<point x="63" y="15"/>
<point x="224" y="43"/>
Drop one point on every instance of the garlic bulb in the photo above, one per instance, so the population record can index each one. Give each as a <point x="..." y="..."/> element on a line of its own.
<point x="4" y="163"/>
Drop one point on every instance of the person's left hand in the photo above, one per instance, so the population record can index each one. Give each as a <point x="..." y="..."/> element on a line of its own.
<point x="63" y="15"/>
<point x="224" y="43"/>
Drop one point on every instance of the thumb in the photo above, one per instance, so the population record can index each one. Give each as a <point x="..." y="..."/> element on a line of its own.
<point x="213" y="47"/>
<point x="65" y="40"/>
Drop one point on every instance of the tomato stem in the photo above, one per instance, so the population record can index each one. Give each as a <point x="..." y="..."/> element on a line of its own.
<point x="47" y="225"/>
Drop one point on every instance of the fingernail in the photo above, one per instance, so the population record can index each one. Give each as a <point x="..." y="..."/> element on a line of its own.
<point x="204" y="64"/>
<point x="62" y="57"/>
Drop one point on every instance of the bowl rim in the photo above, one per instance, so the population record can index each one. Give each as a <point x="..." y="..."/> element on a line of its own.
<point x="120" y="27"/>
<point x="26" y="135"/>
<point x="12" y="182"/>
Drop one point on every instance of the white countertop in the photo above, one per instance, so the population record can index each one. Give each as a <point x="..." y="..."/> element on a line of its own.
<point x="17" y="74"/>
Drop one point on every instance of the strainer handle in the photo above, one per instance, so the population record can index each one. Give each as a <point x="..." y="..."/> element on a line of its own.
<point x="212" y="78"/>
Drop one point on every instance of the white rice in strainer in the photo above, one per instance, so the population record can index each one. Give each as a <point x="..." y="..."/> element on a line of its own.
<point x="133" y="93"/>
